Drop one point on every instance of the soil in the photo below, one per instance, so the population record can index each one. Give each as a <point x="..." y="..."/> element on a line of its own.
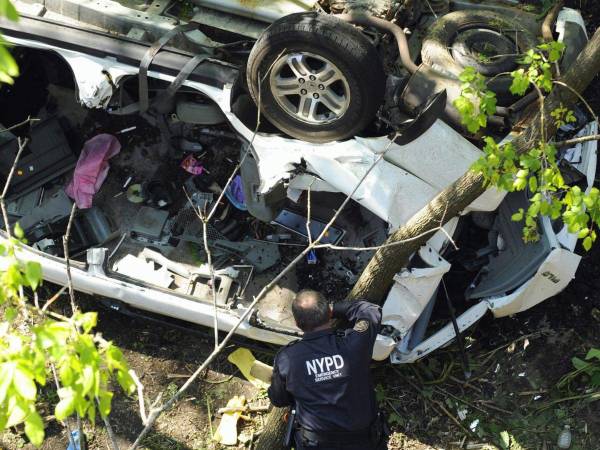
<point x="516" y="363"/>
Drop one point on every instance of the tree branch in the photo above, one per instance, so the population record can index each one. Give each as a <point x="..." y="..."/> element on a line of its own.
<point x="376" y="279"/>
<point x="578" y="140"/>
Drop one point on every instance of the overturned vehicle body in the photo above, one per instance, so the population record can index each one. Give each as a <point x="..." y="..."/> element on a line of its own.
<point x="146" y="109"/>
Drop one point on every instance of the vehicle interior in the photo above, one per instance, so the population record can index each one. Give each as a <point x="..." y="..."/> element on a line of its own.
<point x="147" y="211"/>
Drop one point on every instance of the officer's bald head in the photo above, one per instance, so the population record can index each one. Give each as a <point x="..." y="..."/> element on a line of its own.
<point x="310" y="310"/>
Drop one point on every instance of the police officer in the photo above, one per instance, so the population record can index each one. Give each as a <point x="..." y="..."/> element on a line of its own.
<point x="325" y="376"/>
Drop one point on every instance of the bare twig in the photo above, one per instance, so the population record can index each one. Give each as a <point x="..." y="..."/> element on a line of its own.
<point x="22" y="144"/>
<point x="54" y="298"/>
<point x="208" y="415"/>
<point x="213" y="287"/>
<point x="20" y="124"/>
<point x="109" y="431"/>
<point x="308" y="213"/>
<point x="490" y="404"/>
<point x="578" y="140"/>
<point x="376" y="247"/>
<point x="141" y="398"/>
<point x="579" y="96"/>
<point x="66" y="238"/>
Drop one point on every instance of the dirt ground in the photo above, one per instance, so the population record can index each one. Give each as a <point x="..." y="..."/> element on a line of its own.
<point x="517" y="363"/>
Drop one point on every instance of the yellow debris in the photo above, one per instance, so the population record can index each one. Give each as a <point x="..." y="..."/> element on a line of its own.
<point x="226" y="433"/>
<point x="245" y="360"/>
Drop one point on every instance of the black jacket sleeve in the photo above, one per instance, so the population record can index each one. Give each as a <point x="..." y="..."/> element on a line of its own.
<point x="278" y="393"/>
<point x="365" y="319"/>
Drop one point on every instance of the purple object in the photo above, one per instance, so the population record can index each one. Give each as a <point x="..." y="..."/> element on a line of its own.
<point x="92" y="168"/>
<point x="235" y="193"/>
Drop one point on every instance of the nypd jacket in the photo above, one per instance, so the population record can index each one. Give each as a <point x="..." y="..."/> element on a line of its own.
<point x="326" y="374"/>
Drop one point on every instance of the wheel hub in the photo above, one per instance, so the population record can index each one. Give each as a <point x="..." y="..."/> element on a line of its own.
<point x="310" y="88"/>
<point x="488" y="50"/>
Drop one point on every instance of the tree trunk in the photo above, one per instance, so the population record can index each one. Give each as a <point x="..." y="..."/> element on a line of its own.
<point x="273" y="432"/>
<point x="377" y="278"/>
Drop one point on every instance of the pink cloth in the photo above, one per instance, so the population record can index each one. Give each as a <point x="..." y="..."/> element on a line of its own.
<point x="191" y="165"/>
<point x="92" y="168"/>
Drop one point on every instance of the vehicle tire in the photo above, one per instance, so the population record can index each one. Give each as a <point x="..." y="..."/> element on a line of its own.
<point x="320" y="78"/>
<point x="484" y="40"/>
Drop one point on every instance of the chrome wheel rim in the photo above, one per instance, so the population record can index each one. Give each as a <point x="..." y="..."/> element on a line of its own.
<point x="309" y="88"/>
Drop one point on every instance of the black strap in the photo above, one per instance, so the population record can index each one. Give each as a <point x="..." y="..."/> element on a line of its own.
<point x="149" y="56"/>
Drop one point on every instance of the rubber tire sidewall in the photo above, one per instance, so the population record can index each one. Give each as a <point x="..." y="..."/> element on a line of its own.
<point x="435" y="50"/>
<point x="336" y="41"/>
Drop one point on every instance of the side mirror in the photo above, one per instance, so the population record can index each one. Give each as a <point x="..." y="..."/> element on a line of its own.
<point x="432" y="111"/>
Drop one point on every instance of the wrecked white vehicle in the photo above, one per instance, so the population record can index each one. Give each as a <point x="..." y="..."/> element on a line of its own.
<point x="165" y="94"/>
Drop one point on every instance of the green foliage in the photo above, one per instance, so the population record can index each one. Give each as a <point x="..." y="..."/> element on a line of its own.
<point x="508" y="442"/>
<point x="8" y="66"/>
<point x="31" y="344"/>
<point x="562" y="116"/>
<point x="587" y="370"/>
<point x="537" y="169"/>
<point x="475" y="103"/>
<point x="538" y="68"/>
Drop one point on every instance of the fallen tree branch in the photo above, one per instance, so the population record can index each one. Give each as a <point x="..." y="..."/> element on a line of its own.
<point x="377" y="278"/>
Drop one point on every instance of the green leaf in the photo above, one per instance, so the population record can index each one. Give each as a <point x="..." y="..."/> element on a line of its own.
<point x="587" y="243"/>
<point x="104" y="400"/>
<point x="10" y="314"/>
<point x="593" y="353"/>
<point x="87" y="379"/>
<point x="17" y="411"/>
<point x="19" y="233"/>
<point x="7" y="371"/>
<point x="34" y="429"/>
<point x="8" y="10"/>
<point x="87" y="321"/>
<point x="518" y="216"/>
<point x="519" y="184"/>
<point x="578" y="363"/>
<point x="33" y="274"/>
<point x="533" y="184"/>
<point x="8" y="66"/>
<point x="520" y="82"/>
<point x="66" y="405"/>
<point x="65" y="374"/>
<point x="583" y="233"/>
<point x="504" y="440"/>
<point x="24" y="384"/>
<point x="126" y="381"/>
